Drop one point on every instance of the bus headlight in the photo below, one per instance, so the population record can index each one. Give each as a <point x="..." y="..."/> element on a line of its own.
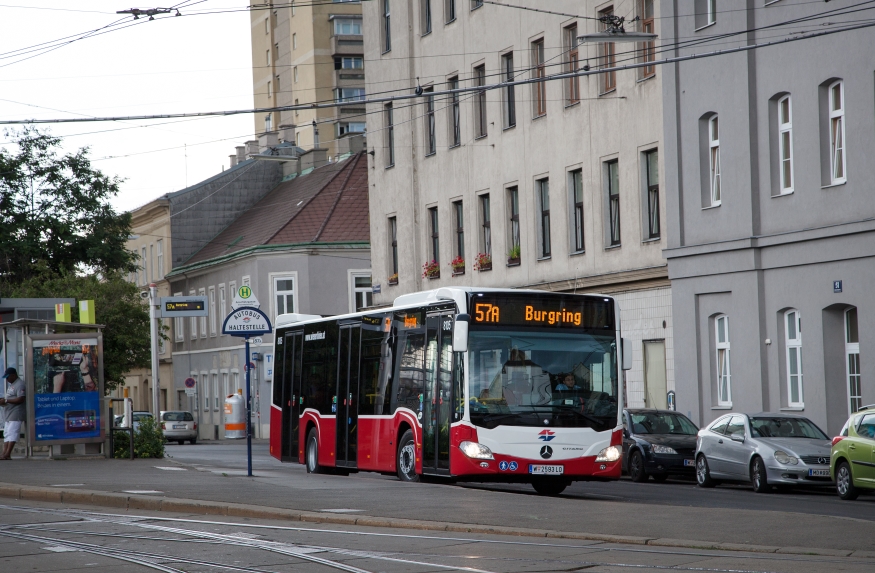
<point x="476" y="451"/>
<point x="609" y="454"/>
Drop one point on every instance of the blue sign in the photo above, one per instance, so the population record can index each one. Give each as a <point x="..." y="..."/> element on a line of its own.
<point x="67" y="415"/>
<point x="836" y="286"/>
<point x="246" y="321"/>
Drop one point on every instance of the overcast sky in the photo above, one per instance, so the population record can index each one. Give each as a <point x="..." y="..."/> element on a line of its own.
<point x="198" y="62"/>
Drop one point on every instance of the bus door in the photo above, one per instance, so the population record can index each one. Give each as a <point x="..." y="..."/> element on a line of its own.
<point x="345" y="403"/>
<point x="291" y="388"/>
<point x="438" y="398"/>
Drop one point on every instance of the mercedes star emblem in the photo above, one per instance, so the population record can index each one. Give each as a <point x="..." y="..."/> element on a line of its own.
<point x="546" y="452"/>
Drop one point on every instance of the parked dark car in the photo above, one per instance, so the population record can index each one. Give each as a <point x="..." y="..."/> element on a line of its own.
<point x="658" y="444"/>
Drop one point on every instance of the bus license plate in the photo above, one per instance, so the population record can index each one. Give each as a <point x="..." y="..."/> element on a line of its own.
<point x="546" y="470"/>
<point x="818" y="473"/>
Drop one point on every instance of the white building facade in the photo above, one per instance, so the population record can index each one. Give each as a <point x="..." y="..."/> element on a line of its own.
<point x="552" y="185"/>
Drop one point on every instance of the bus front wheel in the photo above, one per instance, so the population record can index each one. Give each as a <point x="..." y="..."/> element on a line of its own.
<point x="406" y="458"/>
<point x="550" y="486"/>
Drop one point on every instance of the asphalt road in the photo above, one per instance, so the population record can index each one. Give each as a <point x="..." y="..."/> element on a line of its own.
<point x="44" y="537"/>
<point x="820" y="501"/>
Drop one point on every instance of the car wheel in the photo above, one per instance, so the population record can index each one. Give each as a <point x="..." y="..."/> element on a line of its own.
<point x="192" y="441"/>
<point x="636" y="467"/>
<point x="703" y="474"/>
<point x="659" y="477"/>
<point x="312" y="459"/>
<point x="551" y="487"/>
<point x="845" y="482"/>
<point x="406" y="458"/>
<point x="758" y="476"/>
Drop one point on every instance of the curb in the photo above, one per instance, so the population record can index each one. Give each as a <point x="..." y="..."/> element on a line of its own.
<point x="149" y="503"/>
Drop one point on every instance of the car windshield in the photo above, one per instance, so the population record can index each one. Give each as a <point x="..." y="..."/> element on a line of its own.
<point x="178" y="417"/>
<point x="777" y="427"/>
<point x="662" y="423"/>
<point x="562" y="378"/>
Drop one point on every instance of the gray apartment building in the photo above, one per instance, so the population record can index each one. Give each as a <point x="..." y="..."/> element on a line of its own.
<point x="771" y="242"/>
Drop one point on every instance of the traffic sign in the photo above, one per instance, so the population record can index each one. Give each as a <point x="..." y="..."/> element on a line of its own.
<point x="250" y="366"/>
<point x="191" y="391"/>
<point x="256" y="340"/>
<point x="246" y="321"/>
<point x="244" y="297"/>
<point x="190" y="382"/>
<point x="183" y="306"/>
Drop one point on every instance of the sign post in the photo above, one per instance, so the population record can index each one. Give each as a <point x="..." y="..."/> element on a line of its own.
<point x="247" y="321"/>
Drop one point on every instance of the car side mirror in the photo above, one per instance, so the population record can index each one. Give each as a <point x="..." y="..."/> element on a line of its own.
<point x="737" y="438"/>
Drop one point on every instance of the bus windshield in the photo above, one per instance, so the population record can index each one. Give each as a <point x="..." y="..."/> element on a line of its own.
<point x="564" y="378"/>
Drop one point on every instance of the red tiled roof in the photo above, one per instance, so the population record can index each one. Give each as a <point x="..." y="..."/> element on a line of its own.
<point x="328" y="205"/>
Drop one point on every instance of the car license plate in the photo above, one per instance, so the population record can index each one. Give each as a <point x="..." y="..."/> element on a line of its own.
<point x="818" y="473"/>
<point x="689" y="463"/>
<point x="178" y="426"/>
<point x="548" y="470"/>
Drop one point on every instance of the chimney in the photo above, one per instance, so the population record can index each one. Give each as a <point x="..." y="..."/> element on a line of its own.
<point x="233" y="160"/>
<point x="241" y="153"/>
<point x="287" y="133"/>
<point x="267" y="140"/>
<point x="251" y="148"/>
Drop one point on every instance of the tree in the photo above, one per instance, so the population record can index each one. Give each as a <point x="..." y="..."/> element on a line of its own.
<point x="126" y="338"/>
<point x="55" y="210"/>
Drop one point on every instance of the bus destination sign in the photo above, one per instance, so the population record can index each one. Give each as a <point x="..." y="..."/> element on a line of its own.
<point x="537" y="310"/>
<point x="183" y="306"/>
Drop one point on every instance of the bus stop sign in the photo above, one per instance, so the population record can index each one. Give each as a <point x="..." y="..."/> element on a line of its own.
<point x="246" y="321"/>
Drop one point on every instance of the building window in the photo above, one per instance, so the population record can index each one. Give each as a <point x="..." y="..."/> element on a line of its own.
<point x="349" y="63"/>
<point x="793" y="332"/>
<point x="205" y="387"/>
<point x="269" y="92"/>
<point x="267" y="57"/>
<point x="785" y="144"/>
<point x="476" y="4"/>
<point x="284" y="295"/>
<point x="705" y="13"/>
<point x="435" y="241"/>
<point x="508" y="92"/>
<point x="543" y="196"/>
<point x="455" y="114"/>
<point x="724" y="385"/>
<point x="347" y="27"/>
<point x="425" y="15"/>
<point x="193" y="324"/>
<point x="572" y="65"/>
<point x="294" y="41"/>
<point x="145" y="272"/>
<point x="459" y="222"/>
<point x="349" y="94"/>
<point x="267" y="25"/>
<point x="178" y="325"/>
<point x="513" y="207"/>
<point x="296" y="103"/>
<point x="648" y="49"/>
<point x="449" y="11"/>
<point x="607" y="54"/>
<point x="293" y="8"/>
<point x="159" y="251"/>
<point x="390" y="135"/>
<point x="485" y="225"/>
<point x="393" y="244"/>
<point x="203" y="325"/>
<point x="539" y="89"/>
<point x="213" y="313"/>
<point x="225" y="389"/>
<point x="347" y="127"/>
<point x="651" y="167"/>
<point x="480" y="102"/>
<point x="714" y="159"/>
<point x="575" y="180"/>
<point x="852" y="351"/>
<point x="387" y="27"/>
<point x="361" y="291"/>
<point x="216" y="397"/>
<point x="430" y="136"/>
<point x="837" y="132"/>
<point x="223" y="306"/>
<point x="613" y="184"/>
<point x="295" y="73"/>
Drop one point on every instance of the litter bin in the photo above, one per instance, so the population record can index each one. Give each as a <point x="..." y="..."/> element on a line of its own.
<point x="235" y="416"/>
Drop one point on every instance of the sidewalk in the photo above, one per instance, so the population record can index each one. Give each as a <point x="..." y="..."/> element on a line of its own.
<point x="288" y="493"/>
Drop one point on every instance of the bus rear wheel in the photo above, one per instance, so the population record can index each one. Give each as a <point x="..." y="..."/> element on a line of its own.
<point x="312" y="459"/>
<point x="406" y="458"/>
<point x="550" y="487"/>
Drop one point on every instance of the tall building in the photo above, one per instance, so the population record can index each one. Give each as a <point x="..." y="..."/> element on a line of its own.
<point x="305" y="54"/>
<point x="551" y="185"/>
<point x="771" y="221"/>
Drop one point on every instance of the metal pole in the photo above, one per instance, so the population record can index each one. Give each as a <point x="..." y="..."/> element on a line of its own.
<point x="153" y="304"/>
<point x="248" y="415"/>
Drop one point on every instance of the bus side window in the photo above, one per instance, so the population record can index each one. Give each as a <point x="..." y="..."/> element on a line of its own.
<point x="411" y="373"/>
<point x="369" y="380"/>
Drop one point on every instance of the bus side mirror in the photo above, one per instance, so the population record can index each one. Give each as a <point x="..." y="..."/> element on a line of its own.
<point x="460" y="333"/>
<point x="627" y="354"/>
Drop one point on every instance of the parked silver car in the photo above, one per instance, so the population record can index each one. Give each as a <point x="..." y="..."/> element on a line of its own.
<point x="179" y="426"/>
<point x="764" y="449"/>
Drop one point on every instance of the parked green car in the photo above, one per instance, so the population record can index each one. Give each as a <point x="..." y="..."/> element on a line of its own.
<point x="852" y="462"/>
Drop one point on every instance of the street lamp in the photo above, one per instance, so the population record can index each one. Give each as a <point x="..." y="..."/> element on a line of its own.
<point x="616" y="32"/>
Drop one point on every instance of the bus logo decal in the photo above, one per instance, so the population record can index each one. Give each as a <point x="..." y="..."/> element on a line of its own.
<point x="315" y="336"/>
<point x="546" y="452"/>
<point x="546" y="435"/>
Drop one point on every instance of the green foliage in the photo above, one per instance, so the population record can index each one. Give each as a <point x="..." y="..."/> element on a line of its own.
<point x="55" y="211"/>
<point x="126" y="336"/>
<point x="148" y="439"/>
<point x="121" y="445"/>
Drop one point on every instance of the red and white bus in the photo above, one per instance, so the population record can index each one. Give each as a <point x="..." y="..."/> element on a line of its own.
<point x="472" y="384"/>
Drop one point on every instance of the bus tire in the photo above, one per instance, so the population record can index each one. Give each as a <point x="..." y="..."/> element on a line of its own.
<point x="406" y="458"/>
<point x="312" y="459"/>
<point x="551" y="487"/>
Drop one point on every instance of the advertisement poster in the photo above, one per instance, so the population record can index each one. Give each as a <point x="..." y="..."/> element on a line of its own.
<point x="66" y="389"/>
